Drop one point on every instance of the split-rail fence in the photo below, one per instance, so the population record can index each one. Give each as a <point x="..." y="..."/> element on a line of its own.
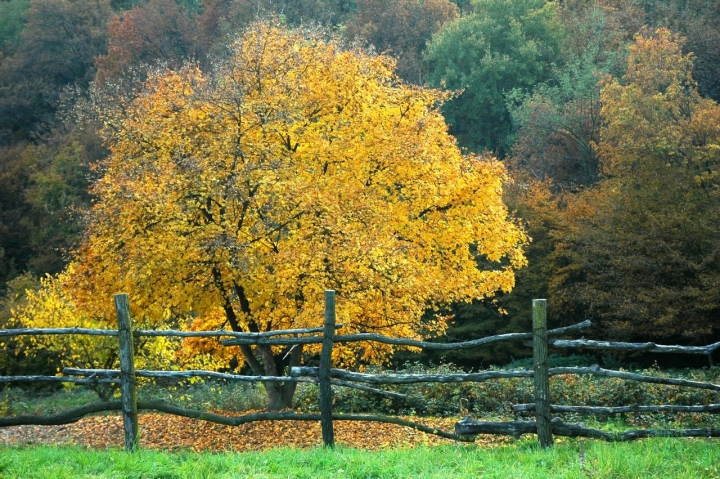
<point x="465" y="430"/>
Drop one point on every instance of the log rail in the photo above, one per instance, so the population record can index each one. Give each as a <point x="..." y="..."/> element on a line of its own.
<point x="465" y="430"/>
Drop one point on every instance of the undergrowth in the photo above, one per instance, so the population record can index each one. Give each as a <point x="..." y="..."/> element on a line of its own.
<point x="497" y="396"/>
<point x="489" y="399"/>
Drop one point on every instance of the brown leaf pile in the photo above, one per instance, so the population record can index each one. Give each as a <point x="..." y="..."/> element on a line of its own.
<point x="167" y="432"/>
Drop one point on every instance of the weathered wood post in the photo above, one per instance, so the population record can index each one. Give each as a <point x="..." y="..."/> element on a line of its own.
<point x="128" y="384"/>
<point x="540" y="368"/>
<point x="324" y="372"/>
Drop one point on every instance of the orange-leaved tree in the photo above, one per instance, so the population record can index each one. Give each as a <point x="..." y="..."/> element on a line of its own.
<point x="644" y="254"/>
<point x="234" y="198"/>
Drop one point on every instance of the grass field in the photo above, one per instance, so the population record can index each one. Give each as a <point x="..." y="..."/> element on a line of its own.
<point x="572" y="459"/>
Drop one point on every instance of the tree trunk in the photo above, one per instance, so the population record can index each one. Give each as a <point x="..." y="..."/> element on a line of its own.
<point x="280" y="395"/>
<point x="273" y="389"/>
<point x="288" y="389"/>
<point x="274" y="393"/>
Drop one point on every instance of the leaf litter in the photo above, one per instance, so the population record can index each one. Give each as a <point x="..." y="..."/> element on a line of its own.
<point x="168" y="432"/>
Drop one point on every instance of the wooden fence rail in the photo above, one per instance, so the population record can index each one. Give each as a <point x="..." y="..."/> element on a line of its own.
<point x="57" y="379"/>
<point x="620" y="409"/>
<point x="636" y="347"/>
<point x="352" y="338"/>
<point x="325" y="376"/>
<point x="157" y="332"/>
<point x="468" y="427"/>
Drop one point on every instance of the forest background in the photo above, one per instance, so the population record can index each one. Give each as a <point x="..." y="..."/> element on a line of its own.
<point x="604" y="112"/>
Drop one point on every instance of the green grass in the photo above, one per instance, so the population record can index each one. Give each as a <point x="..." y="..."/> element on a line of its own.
<point x="656" y="458"/>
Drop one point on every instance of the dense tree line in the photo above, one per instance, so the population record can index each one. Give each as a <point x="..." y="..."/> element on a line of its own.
<point x="604" y="111"/>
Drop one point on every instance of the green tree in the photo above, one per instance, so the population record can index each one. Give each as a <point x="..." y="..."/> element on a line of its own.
<point x="10" y="24"/>
<point x="502" y="45"/>
<point x="558" y="123"/>
<point x="58" y="192"/>
<point x="15" y="170"/>
<point x="43" y="187"/>
<point x="465" y="6"/>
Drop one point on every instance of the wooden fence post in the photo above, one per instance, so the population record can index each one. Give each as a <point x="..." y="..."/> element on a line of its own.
<point x="324" y="371"/>
<point x="128" y="384"/>
<point x="540" y="368"/>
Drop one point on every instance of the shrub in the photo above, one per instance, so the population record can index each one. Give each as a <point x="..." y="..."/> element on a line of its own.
<point x="496" y="397"/>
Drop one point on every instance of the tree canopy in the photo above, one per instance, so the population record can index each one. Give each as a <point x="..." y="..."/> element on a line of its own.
<point x="237" y="197"/>
<point x="503" y="44"/>
<point x="644" y="252"/>
<point x="530" y="80"/>
<point x="402" y="29"/>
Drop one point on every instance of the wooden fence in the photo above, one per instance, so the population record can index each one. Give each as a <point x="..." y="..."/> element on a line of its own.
<point x="465" y="430"/>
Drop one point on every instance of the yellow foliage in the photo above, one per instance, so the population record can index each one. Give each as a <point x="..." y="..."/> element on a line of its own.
<point x="51" y="307"/>
<point x="236" y="198"/>
<point x="205" y="353"/>
<point x="656" y="114"/>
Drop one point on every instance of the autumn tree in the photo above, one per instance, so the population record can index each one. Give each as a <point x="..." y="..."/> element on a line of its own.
<point x="558" y="123"/>
<point x="643" y="255"/>
<point x="538" y="208"/>
<point x="55" y="48"/>
<point x="553" y="157"/>
<point x="401" y="29"/>
<point x="697" y="21"/>
<point x="219" y="20"/>
<point x="16" y="360"/>
<point x="235" y="198"/>
<point x="157" y="31"/>
<point x="47" y="303"/>
<point x="602" y="27"/>
<point x="328" y="13"/>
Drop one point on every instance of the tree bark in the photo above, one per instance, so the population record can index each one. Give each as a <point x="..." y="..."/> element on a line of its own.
<point x="280" y="395"/>
<point x="274" y="390"/>
<point x="288" y="388"/>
